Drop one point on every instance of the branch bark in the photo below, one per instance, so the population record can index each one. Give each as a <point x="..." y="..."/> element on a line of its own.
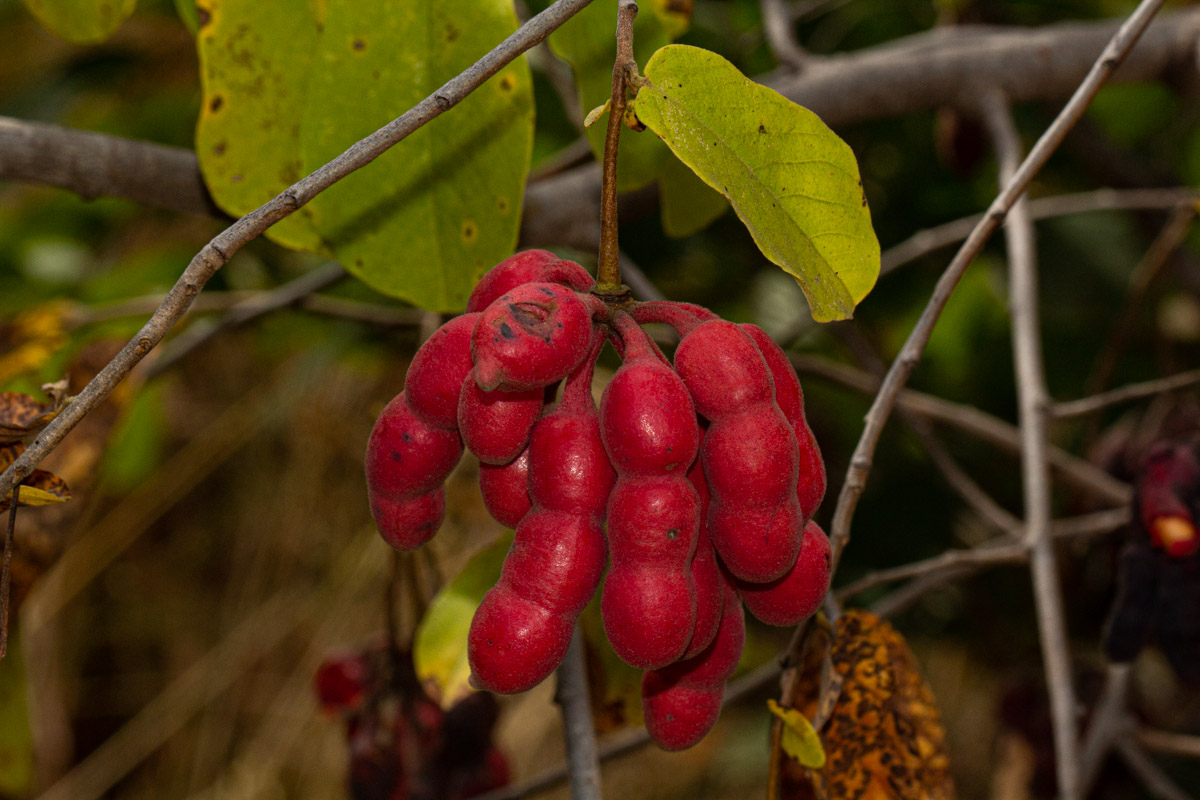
<point x="860" y="463"/>
<point x="583" y="761"/>
<point x="1034" y="403"/>
<point x="217" y="252"/>
<point x="920" y="72"/>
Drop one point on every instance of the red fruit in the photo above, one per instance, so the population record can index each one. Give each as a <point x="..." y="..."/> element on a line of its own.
<point x="531" y="337"/>
<point x="529" y="266"/>
<point x="523" y="627"/>
<point x="495" y="426"/>
<point x="1168" y="482"/>
<point x="810" y="486"/>
<point x="723" y="369"/>
<point x="648" y="420"/>
<point x="341" y="683"/>
<point x="706" y="574"/>
<point x="505" y="489"/>
<point x="407" y="457"/>
<point x="798" y="594"/>
<point x="757" y="540"/>
<point x="437" y="372"/>
<point x="651" y="435"/>
<point x="681" y="702"/>
<point x="649" y="603"/>
<point x="750" y="455"/>
<point x="408" y="524"/>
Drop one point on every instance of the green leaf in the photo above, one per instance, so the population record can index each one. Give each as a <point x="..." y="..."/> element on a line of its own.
<point x="799" y="740"/>
<point x="588" y="43"/>
<point x="440" y="642"/>
<point x="689" y="205"/>
<point x="255" y="63"/>
<point x="188" y="14"/>
<point x="81" y="21"/>
<point x="429" y="217"/>
<point x="792" y="181"/>
<point x="16" y="738"/>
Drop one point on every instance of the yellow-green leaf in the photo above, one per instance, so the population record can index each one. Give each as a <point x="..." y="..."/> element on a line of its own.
<point x="799" y="740"/>
<point x="588" y="43"/>
<point x="255" y="62"/>
<point x="81" y="21"/>
<point x="440" y="642"/>
<point x="688" y="204"/>
<point x="430" y="216"/>
<point x="792" y="181"/>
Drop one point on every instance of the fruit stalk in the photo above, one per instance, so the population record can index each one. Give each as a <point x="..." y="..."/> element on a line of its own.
<point x="608" y="269"/>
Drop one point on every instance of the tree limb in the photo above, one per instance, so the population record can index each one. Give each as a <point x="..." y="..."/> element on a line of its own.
<point x="217" y="252"/>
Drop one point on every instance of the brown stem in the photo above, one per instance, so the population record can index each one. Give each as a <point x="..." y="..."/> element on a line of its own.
<point x="608" y="269"/>
<point x="6" y="570"/>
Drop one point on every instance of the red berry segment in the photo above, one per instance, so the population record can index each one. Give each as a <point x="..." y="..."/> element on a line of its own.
<point x="530" y="337"/>
<point x="438" y="370"/>
<point x="495" y="426"/>
<point x="706" y="574"/>
<point x="407" y="460"/>
<point x="505" y="489"/>
<point x="530" y="266"/>
<point x="749" y="453"/>
<point x="651" y="435"/>
<point x="798" y="594"/>
<point x="681" y="702"/>
<point x="522" y="629"/>
<point x="810" y="486"/>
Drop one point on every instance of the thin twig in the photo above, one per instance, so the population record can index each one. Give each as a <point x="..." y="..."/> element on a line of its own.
<point x="781" y="37"/>
<point x="1124" y="394"/>
<point x="6" y="569"/>
<point x="633" y="739"/>
<point x="860" y="462"/>
<point x="583" y="761"/>
<point x="1175" y="744"/>
<point x="1151" y="775"/>
<point x="1108" y="721"/>
<point x="1081" y="474"/>
<point x="608" y="266"/>
<point x="259" y="305"/>
<point x="1034" y="401"/>
<point x="1169" y="240"/>
<point x="217" y="252"/>
<point x="924" y="242"/>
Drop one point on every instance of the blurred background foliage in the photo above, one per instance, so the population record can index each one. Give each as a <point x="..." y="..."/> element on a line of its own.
<point x="219" y="543"/>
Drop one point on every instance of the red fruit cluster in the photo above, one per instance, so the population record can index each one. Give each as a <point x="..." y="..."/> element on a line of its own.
<point x="695" y="483"/>
<point x="402" y="745"/>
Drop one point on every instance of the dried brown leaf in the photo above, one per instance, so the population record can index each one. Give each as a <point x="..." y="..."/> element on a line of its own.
<point x="883" y="739"/>
<point x="21" y="416"/>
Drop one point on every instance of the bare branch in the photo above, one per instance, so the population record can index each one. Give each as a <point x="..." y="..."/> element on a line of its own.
<point x="583" y="761"/>
<point x="1176" y="744"/>
<point x="262" y="303"/>
<point x="924" y="242"/>
<point x="919" y="72"/>
<point x="1033" y="401"/>
<point x="1152" y="777"/>
<point x="6" y="568"/>
<point x="1108" y="721"/>
<point x="860" y="463"/>
<point x="781" y="37"/>
<point x="1124" y="394"/>
<point x="1151" y="265"/>
<point x="1079" y="473"/>
<point x="218" y="252"/>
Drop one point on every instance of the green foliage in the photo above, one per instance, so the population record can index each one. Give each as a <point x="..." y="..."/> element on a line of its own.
<point x="81" y="21"/>
<point x="440" y="643"/>
<point x="792" y="181"/>
<point x="427" y="218"/>
<point x="689" y="205"/>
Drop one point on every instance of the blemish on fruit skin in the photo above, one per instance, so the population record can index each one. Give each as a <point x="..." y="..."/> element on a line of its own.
<point x="506" y="331"/>
<point x="671" y="534"/>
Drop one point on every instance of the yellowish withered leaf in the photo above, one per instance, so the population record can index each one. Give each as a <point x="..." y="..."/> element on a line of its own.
<point x="884" y="739"/>
<point x="799" y="740"/>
